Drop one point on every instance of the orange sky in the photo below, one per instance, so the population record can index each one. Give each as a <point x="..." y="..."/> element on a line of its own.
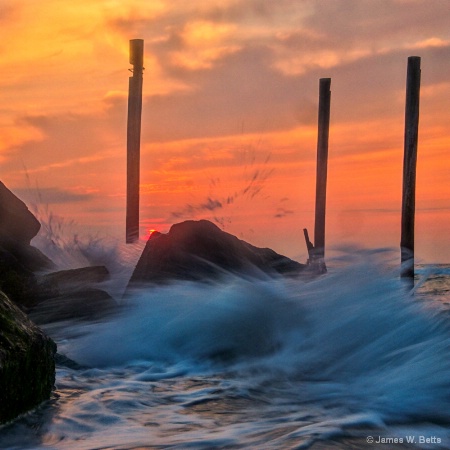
<point x="229" y="116"/>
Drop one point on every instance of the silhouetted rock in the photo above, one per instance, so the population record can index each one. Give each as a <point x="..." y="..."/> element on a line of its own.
<point x="16" y="280"/>
<point x="18" y="259"/>
<point x="200" y="251"/>
<point x="17" y="227"/>
<point x="27" y="366"/>
<point x="69" y="280"/>
<point x="72" y="294"/>
<point x="87" y="304"/>
<point x="29" y="257"/>
<point x="16" y="221"/>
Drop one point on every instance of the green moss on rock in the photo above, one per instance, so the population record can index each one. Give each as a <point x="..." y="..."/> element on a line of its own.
<point x="27" y="365"/>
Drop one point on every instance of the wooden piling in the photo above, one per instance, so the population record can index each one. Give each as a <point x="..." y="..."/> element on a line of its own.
<point x="409" y="166"/>
<point x="134" y="139"/>
<point x="309" y="247"/>
<point x="322" y="168"/>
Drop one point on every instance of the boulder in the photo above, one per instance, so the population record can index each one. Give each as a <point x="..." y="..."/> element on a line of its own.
<point x="27" y="366"/>
<point x="68" y="280"/>
<point x="17" y="280"/>
<point x="17" y="227"/>
<point x="86" y="304"/>
<point x="200" y="251"/>
<point x="16" y="221"/>
<point x="18" y="259"/>
<point x="72" y="294"/>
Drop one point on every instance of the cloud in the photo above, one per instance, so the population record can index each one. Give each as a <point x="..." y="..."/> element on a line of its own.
<point x="66" y="139"/>
<point x="243" y="89"/>
<point x="257" y="62"/>
<point x="380" y="23"/>
<point x="9" y="12"/>
<point x="243" y="92"/>
<point x="240" y="11"/>
<point x="51" y="195"/>
<point x="247" y="92"/>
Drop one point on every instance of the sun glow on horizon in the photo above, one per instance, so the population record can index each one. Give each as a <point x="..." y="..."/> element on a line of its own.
<point x="150" y="231"/>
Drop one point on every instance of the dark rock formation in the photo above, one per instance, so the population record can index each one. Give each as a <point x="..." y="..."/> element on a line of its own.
<point x="71" y="294"/>
<point x="17" y="227"/>
<point x="83" y="304"/>
<point x="27" y="367"/>
<point x="16" y="221"/>
<point x="16" y="281"/>
<point x="65" y="281"/>
<point x="18" y="259"/>
<point x="200" y="251"/>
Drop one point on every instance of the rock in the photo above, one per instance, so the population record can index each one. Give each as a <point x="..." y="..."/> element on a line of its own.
<point x="69" y="280"/>
<point x="17" y="227"/>
<point x="16" y="221"/>
<point x="200" y="251"/>
<point x="18" y="259"/>
<point x="27" y="366"/>
<point x="87" y="304"/>
<point x="70" y="294"/>
<point x="29" y="257"/>
<point x="18" y="281"/>
<point x="63" y="360"/>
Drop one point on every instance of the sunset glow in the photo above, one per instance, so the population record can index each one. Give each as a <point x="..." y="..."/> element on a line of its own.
<point x="229" y="125"/>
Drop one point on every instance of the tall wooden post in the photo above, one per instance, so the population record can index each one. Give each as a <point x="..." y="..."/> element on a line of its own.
<point x="134" y="139"/>
<point x="409" y="166"/>
<point x="322" y="167"/>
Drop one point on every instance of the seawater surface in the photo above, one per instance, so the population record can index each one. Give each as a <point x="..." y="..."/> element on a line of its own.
<point x="265" y="364"/>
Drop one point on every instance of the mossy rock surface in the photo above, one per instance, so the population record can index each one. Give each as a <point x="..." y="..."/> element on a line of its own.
<point x="27" y="362"/>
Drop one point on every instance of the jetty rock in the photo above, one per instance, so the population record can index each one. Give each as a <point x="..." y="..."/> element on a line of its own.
<point x="66" y="281"/>
<point x="73" y="294"/>
<point x="18" y="226"/>
<point x="201" y="251"/>
<point x="27" y="365"/>
<point x="16" y="220"/>
<point x="19" y="260"/>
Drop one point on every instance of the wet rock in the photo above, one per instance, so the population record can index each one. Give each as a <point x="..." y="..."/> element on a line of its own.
<point x="17" y="227"/>
<point x="200" y="251"/>
<point x="87" y="304"/>
<point x="72" y="294"/>
<point x="16" y="280"/>
<point x="27" y="366"/>
<point x="63" y="360"/>
<point x="18" y="259"/>
<point x="16" y="221"/>
<point x="57" y="283"/>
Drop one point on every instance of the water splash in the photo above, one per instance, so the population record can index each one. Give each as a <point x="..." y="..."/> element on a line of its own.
<point x="354" y="337"/>
<point x="270" y="363"/>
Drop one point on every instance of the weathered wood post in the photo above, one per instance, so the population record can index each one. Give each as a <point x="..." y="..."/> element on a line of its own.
<point x="309" y="246"/>
<point x="321" y="175"/>
<point x="409" y="166"/>
<point x="134" y="139"/>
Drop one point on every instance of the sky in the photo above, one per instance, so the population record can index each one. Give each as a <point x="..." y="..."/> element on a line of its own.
<point x="229" y="121"/>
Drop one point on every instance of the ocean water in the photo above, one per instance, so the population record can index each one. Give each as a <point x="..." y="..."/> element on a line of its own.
<point x="275" y="363"/>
